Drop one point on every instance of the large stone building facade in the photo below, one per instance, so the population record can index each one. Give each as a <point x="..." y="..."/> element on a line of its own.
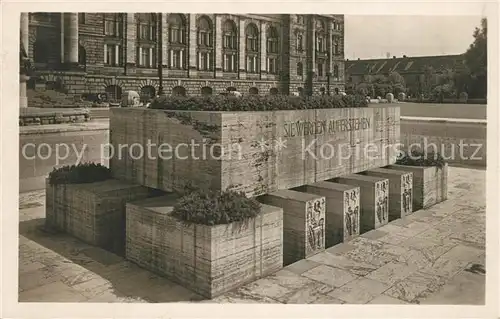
<point x="93" y="53"/>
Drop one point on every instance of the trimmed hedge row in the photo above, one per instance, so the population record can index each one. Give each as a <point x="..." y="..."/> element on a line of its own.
<point x="209" y="207"/>
<point x="257" y="103"/>
<point x="81" y="173"/>
<point x="418" y="158"/>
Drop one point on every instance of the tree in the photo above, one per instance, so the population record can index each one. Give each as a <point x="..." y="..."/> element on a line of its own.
<point x="476" y="61"/>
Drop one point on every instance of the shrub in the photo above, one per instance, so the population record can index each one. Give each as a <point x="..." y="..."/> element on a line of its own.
<point x="78" y="174"/>
<point x="418" y="158"/>
<point x="210" y="207"/>
<point x="255" y="103"/>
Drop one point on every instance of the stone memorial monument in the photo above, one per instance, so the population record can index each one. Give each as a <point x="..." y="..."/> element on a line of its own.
<point x="311" y="195"/>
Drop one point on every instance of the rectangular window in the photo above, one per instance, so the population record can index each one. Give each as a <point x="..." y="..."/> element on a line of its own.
<point x="230" y="64"/>
<point x="113" y="55"/>
<point x="252" y="66"/>
<point x="320" y="69"/>
<point x="204" y="61"/>
<point x="272" y="65"/>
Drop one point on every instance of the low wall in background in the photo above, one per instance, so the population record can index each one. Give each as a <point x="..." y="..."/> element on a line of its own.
<point x="448" y="135"/>
<point x="459" y="111"/>
<point x="39" y="147"/>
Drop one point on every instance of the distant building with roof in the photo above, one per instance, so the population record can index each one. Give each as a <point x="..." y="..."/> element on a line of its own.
<point x="410" y="68"/>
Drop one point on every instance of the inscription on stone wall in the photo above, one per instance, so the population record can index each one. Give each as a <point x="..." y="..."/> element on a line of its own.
<point x="315" y="224"/>
<point x="321" y="127"/>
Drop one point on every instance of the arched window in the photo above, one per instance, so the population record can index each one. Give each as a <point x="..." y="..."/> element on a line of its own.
<point x="300" y="69"/>
<point x="205" y="43"/>
<point x="113" y="92"/>
<point x="147" y="39"/>
<point x="113" y="39"/>
<point x="147" y="93"/>
<point x="40" y="52"/>
<point x="206" y="91"/>
<point x="272" y="50"/>
<point x="230" y="46"/>
<point x="253" y="91"/>
<point x="177" y="38"/>
<point x="179" y="91"/>
<point x="252" y="48"/>
<point x="336" y="72"/>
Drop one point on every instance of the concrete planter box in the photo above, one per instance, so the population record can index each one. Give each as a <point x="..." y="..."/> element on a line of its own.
<point x="242" y="149"/>
<point x="430" y="184"/>
<point x="209" y="260"/>
<point x="92" y="212"/>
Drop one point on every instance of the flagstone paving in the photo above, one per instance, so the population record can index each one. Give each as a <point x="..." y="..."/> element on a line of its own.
<point x="434" y="256"/>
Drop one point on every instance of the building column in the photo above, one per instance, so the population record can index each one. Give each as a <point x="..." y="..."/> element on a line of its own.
<point x="23" y="78"/>
<point x="131" y="32"/>
<point x="192" y="67"/>
<point x="25" y="31"/>
<point x="71" y="37"/>
<point x="218" y="46"/>
<point x="329" y="43"/>
<point x="311" y="54"/>
<point x="242" y="49"/>
<point x="263" y="51"/>
<point x="23" y="99"/>
<point x="63" y="55"/>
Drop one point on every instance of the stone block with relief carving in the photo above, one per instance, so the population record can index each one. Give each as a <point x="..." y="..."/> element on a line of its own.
<point x="342" y="210"/>
<point x="400" y="190"/>
<point x="374" y="199"/>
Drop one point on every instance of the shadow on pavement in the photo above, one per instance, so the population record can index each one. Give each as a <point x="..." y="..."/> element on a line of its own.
<point x="127" y="279"/>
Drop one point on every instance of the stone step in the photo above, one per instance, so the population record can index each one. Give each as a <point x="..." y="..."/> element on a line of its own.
<point x="374" y="199"/>
<point x="303" y="223"/>
<point x="400" y="190"/>
<point x="342" y="210"/>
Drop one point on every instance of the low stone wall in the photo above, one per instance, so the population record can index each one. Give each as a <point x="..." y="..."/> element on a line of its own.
<point x="209" y="260"/>
<point x="460" y="141"/>
<point x="93" y="212"/>
<point x="46" y="116"/>
<point x="43" y="148"/>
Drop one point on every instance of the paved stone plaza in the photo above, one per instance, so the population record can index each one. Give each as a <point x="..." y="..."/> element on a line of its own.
<point x="435" y="256"/>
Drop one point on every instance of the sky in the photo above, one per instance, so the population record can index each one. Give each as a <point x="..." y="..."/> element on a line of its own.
<point x="374" y="36"/>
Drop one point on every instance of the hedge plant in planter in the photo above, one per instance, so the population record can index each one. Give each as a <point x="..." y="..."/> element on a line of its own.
<point x="257" y="103"/>
<point x="208" y="241"/>
<point x="208" y="207"/>
<point x="79" y="174"/>
<point x="430" y="177"/>
<point x="418" y="158"/>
